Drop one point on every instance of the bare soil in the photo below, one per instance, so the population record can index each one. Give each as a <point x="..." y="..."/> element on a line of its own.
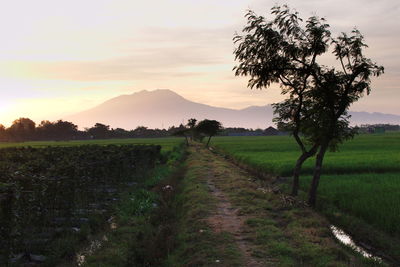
<point x="226" y="218"/>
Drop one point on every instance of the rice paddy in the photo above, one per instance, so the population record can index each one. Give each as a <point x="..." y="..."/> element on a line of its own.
<point x="362" y="179"/>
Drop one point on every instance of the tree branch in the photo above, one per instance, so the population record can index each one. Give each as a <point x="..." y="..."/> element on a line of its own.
<point x="341" y="62"/>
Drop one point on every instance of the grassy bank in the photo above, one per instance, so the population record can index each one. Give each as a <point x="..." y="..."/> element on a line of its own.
<point x="359" y="186"/>
<point x="196" y="243"/>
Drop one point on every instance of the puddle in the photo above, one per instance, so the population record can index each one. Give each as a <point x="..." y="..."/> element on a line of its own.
<point x="348" y="241"/>
<point x="94" y="245"/>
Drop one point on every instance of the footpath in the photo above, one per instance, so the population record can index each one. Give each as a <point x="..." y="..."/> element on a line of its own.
<point x="228" y="217"/>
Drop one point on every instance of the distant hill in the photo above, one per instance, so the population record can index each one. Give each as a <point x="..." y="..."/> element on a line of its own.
<point x="164" y="108"/>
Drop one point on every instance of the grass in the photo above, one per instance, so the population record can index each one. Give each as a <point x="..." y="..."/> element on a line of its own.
<point x="167" y="143"/>
<point x="359" y="187"/>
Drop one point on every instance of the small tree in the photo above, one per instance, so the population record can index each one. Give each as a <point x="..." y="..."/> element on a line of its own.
<point x="192" y="127"/>
<point x="183" y="132"/>
<point x="209" y="128"/>
<point x="286" y="51"/>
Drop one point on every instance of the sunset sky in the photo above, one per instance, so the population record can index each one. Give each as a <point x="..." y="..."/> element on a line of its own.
<point x="61" y="57"/>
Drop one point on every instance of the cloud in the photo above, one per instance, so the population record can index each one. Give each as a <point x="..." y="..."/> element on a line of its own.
<point x="155" y="54"/>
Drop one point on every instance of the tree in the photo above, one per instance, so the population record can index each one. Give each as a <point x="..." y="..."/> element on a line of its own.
<point x="65" y="130"/>
<point x="99" y="131"/>
<point x="333" y="94"/>
<point x="182" y="132"/>
<point x="192" y="124"/>
<point x="141" y="131"/>
<point x="209" y="128"/>
<point x="3" y="133"/>
<point x="286" y="50"/>
<point x="59" y="130"/>
<point x="22" y="129"/>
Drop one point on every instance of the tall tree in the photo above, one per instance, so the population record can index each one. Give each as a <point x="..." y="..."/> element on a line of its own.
<point x="335" y="91"/>
<point x="286" y="50"/>
<point x="281" y="51"/>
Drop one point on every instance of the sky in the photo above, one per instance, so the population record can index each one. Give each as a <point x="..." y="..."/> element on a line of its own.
<point x="61" y="57"/>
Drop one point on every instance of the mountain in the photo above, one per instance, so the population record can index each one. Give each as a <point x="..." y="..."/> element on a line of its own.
<point x="362" y="117"/>
<point x="164" y="108"/>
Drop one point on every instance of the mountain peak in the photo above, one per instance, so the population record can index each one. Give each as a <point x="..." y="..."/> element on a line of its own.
<point x="157" y="91"/>
<point x="160" y="94"/>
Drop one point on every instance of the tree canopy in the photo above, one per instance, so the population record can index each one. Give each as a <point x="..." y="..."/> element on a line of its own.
<point x="287" y="50"/>
<point x="209" y="128"/>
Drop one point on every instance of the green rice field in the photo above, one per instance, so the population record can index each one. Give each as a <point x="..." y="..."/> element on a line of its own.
<point x="362" y="179"/>
<point x="166" y="143"/>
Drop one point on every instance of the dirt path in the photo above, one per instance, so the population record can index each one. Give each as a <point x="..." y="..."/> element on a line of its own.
<point x="226" y="218"/>
<point x="267" y="228"/>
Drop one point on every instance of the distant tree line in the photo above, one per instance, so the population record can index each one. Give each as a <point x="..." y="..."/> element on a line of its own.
<point x="25" y="129"/>
<point x="377" y="128"/>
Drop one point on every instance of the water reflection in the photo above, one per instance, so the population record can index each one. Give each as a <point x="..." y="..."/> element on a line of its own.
<point x="348" y="241"/>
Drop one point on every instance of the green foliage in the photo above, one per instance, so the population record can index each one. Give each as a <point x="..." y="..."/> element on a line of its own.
<point x="138" y="203"/>
<point x="209" y="128"/>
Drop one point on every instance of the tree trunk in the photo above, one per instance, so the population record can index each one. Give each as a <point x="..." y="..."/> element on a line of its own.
<point x="297" y="168"/>
<point x="208" y="142"/>
<point x="296" y="174"/>
<point x="312" y="197"/>
<point x="187" y="140"/>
